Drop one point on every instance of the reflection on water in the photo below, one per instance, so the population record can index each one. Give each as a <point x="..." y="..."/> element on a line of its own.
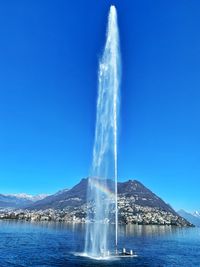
<point x="27" y="225"/>
<point x="53" y="244"/>
<point x="146" y="230"/>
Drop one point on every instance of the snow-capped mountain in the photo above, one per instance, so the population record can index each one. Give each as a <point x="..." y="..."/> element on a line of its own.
<point x="61" y="192"/>
<point x="193" y="218"/>
<point x="19" y="200"/>
<point x="197" y="214"/>
<point x="29" y="197"/>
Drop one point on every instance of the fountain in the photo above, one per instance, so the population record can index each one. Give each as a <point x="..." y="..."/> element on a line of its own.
<point x="102" y="184"/>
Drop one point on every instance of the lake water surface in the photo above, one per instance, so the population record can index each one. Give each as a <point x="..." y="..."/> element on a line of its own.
<point x="25" y="244"/>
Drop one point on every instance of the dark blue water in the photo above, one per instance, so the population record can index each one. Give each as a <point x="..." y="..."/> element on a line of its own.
<point x="54" y="244"/>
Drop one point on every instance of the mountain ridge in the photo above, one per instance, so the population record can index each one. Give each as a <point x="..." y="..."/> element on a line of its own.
<point x="136" y="204"/>
<point x="193" y="218"/>
<point x="19" y="200"/>
<point x="78" y="195"/>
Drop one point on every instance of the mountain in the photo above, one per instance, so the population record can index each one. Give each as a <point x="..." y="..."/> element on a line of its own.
<point x="18" y="200"/>
<point x="25" y="196"/>
<point x="136" y="204"/>
<point x="142" y="195"/>
<point x="77" y="196"/>
<point x="192" y="218"/>
<point x="64" y="198"/>
<point x="197" y="214"/>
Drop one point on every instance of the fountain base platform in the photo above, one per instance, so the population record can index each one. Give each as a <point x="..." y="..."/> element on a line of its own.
<point x="124" y="253"/>
<point x="109" y="255"/>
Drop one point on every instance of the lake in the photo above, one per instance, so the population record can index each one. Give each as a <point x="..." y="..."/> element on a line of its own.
<point x="56" y="244"/>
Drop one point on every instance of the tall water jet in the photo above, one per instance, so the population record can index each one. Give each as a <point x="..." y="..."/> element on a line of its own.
<point x="102" y="184"/>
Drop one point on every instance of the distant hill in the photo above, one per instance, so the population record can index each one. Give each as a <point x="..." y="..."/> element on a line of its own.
<point x="77" y="196"/>
<point x="197" y="214"/>
<point x="18" y="200"/>
<point x="142" y="195"/>
<point x="193" y="218"/>
<point x="136" y="204"/>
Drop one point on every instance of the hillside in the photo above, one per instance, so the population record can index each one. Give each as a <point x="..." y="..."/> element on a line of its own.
<point x="77" y="196"/>
<point x="136" y="204"/>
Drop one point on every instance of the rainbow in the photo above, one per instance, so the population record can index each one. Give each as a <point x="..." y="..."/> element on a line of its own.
<point x="95" y="182"/>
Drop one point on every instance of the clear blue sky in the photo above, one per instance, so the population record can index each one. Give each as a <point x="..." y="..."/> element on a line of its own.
<point x="49" y="53"/>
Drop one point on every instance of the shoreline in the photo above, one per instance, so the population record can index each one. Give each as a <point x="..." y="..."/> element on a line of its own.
<point x="51" y="215"/>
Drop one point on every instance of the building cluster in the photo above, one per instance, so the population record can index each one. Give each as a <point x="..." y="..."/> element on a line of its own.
<point x="40" y="215"/>
<point x="129" y="213"/>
